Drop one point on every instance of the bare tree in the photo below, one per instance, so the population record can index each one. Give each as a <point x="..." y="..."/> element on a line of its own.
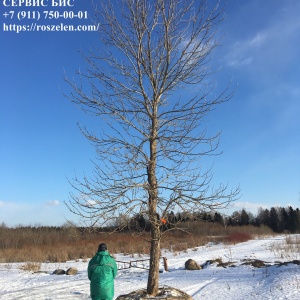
<point x="149" y="85"/>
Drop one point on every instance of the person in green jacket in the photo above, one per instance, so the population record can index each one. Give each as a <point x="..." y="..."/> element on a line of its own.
<point x="102" y="271"/>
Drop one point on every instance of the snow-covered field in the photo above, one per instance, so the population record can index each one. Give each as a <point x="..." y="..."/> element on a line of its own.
<point x="240" y="282"/>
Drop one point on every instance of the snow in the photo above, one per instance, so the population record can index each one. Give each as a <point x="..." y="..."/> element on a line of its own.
<point x="212" y="282"/>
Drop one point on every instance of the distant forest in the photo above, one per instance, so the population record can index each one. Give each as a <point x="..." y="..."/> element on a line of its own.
<point x="278" y="219"/>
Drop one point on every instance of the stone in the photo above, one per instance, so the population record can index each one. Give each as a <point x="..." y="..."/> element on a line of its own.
<point x="192" y="265"/>
<point x="59" y="272"/>
<point x="72" y="271"/>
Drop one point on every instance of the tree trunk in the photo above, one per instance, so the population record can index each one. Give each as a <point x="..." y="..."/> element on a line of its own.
<point x="153" y="277"/>
<point x="152" y="287"/>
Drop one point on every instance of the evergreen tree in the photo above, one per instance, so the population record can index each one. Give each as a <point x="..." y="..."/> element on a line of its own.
<point x="266" y="217"/>
<point x="284" y="218"/>
<point x="274" y="220"/>
<point x="292" y="223"/>
<point x="218" y="218"/>
<point x="297" y="220"/>
<point x="236" y="218"/>
<point x="244" y="219"/>
<point x="260" y="216"/>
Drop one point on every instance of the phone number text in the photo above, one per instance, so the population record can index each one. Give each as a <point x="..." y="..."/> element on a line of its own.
<point x="46" y="14"/>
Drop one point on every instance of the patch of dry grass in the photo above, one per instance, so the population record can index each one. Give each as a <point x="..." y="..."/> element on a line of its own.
<point x="238" y="237"/>
<point x="288" y="249"/>
<point x="61" y="244"/>
<point x="31" y="267"/>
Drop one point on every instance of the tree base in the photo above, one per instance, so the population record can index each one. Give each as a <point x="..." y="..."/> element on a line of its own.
<point x="165" y="292"/>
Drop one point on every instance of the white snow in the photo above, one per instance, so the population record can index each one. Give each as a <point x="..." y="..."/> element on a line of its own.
<point x="212" y="282"/>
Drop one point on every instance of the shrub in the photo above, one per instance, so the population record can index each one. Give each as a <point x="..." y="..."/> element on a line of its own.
<point x="56" y="244"/>
<point x="31" y="267"/>
<point x="238" y="237"/>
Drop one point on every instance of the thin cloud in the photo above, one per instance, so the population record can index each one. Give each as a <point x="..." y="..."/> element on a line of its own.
<point x="90" y="203"/>
<point x="53" y="203"/>
<point x="248" y="206"/>
<point x="258" y="40"/>
<point x="243" y="52"/>
<point x="271" y="46"/>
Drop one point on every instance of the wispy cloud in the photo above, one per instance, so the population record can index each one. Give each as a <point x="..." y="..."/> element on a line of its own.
<point x="271" y="45"/>
<point x="243" y="52"/>
<point x="90" y="203"/>
<point x="258" y="40"/>
<point x="248" y="206"/>
<point x="53" y="203"/>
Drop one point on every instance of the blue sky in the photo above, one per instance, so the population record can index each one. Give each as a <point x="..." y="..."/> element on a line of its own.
<point x="41" y="145"/>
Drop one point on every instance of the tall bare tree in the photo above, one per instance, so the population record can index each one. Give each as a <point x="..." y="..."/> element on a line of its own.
<point x="149" y="84"/>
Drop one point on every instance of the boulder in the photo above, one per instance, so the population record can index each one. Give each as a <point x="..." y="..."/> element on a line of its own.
<point x="59" y="272"/>
<point x="72" y="271"/>
<point x="190" y="264"/>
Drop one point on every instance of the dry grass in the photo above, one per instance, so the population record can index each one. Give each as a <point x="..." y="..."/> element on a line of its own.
<point x="81" y="248"/>
<point x="61" y="244"/>
<point x="238" y="237"/>
<point x="289" y="249"/>
<point x="31" y="267"/>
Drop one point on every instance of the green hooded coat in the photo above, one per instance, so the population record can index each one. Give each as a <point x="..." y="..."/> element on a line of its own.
<point x="102" y="271"/>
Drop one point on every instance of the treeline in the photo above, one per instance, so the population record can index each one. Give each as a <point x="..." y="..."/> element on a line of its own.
<point x="279" y="219"/>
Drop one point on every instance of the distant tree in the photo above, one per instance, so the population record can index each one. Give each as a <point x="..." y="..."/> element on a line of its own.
<point x="235" y="218"/>
<point x="266" y="217"/>
<point x="259" y="217"/>
<point x="205" y="216"/>
<point x="297" y="220"/>
<point x="293" y="223"/>
<point x="178" y="217"/>
<point x="290" y="224"/>
<point x="121" y="222"/>
<point x="137" y="223"/>
<point x="244" y="218"/>
<point x="218" y="218"/>
<point x="171" y="218"/>
<point x="252" y="220"/>
<point x="150" y="87"/>
<point x="284" y="218"/>
<point x="274" y="220"/>
<point x="3" y="225"/>
<point x="230" y="222"/>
